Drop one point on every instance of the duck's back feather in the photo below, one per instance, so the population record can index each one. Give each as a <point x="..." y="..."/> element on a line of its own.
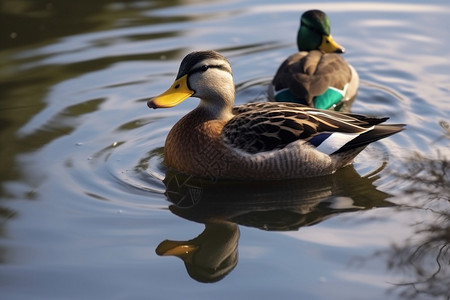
<point x="310" y="74"/>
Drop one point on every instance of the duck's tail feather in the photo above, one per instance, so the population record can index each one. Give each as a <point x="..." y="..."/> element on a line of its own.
<point x="377" y="133"/>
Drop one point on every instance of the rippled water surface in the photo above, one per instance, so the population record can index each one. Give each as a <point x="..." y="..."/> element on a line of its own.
<point x="87" y="210"/>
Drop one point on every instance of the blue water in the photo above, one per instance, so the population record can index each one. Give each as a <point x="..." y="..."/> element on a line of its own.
<point x="83" y="205"/>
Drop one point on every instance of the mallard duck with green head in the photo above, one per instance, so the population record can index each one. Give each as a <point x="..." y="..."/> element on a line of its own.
<point x="317" y="75"/>
<point x="256" y="141"/>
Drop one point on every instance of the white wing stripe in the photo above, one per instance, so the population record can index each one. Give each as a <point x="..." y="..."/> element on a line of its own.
<point x="335" y="141"/>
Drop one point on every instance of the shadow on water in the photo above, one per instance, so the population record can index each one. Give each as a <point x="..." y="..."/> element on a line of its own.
<point x="425" y="256"/>
<point x="274" y="206"/>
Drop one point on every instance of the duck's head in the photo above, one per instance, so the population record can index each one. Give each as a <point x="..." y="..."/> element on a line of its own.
<point x="314" y="33"/>
<point x="206" y="75"/>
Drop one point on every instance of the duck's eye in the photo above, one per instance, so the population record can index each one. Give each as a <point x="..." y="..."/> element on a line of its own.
<point x="200" y="69"/>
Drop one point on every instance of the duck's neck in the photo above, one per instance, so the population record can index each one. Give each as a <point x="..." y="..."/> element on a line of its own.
<point x="307" y="40"/>
<point x="220" y="109"/>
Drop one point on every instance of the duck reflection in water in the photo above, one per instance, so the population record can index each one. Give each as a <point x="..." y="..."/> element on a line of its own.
<point x="274" y="206"/>
<point x="210" y="256"/>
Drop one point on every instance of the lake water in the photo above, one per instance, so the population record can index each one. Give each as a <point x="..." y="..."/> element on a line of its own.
<point x="84" y="210"/>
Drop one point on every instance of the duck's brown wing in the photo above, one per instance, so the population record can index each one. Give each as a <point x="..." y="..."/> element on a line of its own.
<point x="259" y="127"/>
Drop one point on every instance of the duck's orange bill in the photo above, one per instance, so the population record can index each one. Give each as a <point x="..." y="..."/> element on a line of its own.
<point x="183" y="250"/>
<point x="177" y="93"/>
<point x="328" y="45"/>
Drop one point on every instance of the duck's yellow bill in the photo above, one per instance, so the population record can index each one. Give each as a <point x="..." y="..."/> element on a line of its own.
<point x="177" y="93"/>
<point x="328" y="45"/>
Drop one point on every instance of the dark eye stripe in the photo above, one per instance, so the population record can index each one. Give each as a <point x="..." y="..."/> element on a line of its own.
<point x="206" y="67"/>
